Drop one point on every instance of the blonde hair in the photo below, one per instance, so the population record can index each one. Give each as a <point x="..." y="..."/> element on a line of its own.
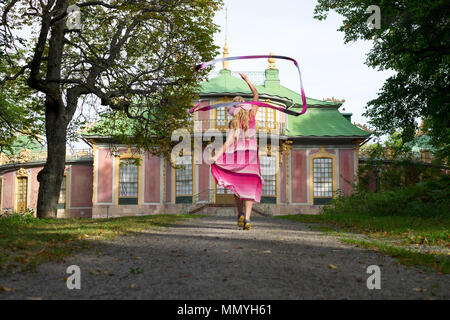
<point x="241" y="119"/>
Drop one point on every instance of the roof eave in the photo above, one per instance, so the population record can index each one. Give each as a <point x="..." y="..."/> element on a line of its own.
<point x="363" y="139"/>
<point x="32" y="164"/>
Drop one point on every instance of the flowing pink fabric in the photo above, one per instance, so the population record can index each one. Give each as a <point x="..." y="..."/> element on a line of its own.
<point x="238" y="169"/>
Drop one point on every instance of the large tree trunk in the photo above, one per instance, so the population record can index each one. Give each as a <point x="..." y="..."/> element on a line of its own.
<point x="50" y="178"/>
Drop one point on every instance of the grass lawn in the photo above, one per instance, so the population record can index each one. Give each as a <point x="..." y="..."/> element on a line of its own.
<point x="413" y="240"/>
<point x="26" y="242"/>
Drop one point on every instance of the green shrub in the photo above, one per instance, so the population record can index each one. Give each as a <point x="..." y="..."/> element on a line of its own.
<point x="23" y="218"/>
<point x="426" y="199"/>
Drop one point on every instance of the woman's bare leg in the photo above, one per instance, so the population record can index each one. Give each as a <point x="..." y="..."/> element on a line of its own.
<point x="248" y="209"/>
<point x="239" y="205"/>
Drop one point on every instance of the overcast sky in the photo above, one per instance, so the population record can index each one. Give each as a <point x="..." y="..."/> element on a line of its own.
<point x="329" y="67"/>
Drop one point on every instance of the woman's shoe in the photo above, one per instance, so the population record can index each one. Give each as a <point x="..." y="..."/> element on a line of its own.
<point x="247" y="225"/>
<point x="241" y="221"/>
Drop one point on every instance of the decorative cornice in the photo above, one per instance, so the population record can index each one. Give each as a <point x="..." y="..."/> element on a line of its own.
<point x="22" y="172"/>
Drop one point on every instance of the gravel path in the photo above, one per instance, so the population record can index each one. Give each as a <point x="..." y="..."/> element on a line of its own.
<point x="210" y="258"/>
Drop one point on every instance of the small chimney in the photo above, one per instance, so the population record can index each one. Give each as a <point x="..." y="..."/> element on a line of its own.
<point x="348" y="116"/>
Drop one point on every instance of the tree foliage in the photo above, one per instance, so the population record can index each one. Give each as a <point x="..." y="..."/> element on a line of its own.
<point x="20" y="108"/>
<point x="414" y="41"/>
<point x="133" y="58"/>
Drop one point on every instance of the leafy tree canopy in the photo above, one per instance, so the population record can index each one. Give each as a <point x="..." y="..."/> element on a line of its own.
<point x="130" y="58"/>
<point x="414" y="41"/>
<point x="133" y="59"/>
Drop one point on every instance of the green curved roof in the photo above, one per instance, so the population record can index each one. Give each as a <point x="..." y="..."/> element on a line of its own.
<point x="22" y="142"/>
<point x="323" y="122"/>
<point x="322" y="119"/>
<point x="226" y="83"/>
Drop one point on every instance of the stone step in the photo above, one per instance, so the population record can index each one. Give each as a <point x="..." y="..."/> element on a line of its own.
<point x="225" y="212"/>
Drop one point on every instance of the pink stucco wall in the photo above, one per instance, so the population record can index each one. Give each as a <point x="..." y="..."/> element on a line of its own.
<point x="105" y="162"/>
<point x="8" y="191"/>
<point x="34" y="192"/>
<point x="203" y="181"/>
<point x="81" y="186"/>
<point x="168" y="182"/>
<point x="204" y="116"/>
<point x="346" y="170"/>
<point x="152" y="182"/>
<point x="282" y="117"/>
<point x="299" y="176"/>
<point x="283" y="178"/>
<point x="80" y="213"/>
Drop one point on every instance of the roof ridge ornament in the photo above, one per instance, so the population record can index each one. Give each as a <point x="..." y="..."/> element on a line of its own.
<point x="333" y="99"/>
<point x="226" y="64"/>
<point x="272" y="61"/>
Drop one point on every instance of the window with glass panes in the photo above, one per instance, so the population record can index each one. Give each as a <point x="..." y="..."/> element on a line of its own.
<point x="62" y="194"/>
<point x="269" y="174"/>
<point x="266" y="118"/>
<point x="128" y="181"/>
<point x="221" y="118"/>
<point x="222" y="190"/>
<point x="323" y="177"/>
<point x="183" y="176"/>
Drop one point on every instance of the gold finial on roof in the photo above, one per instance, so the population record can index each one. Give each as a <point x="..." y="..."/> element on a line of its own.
<point x="225" y="55"/>
<point x="226" y="64"/>
<point x="272" y="62"/>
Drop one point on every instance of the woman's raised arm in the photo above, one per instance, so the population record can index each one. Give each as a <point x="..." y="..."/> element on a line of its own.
<point x="254" y="91"/>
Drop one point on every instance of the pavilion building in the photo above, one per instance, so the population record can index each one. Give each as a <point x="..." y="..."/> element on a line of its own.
<point x="307" y="160"/>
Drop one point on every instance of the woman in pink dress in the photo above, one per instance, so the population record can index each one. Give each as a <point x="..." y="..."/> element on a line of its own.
<point x="236" y="165"/>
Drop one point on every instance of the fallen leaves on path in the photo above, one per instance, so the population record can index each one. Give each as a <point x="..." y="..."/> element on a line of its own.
<point x="134" y="286"/>
<point x="332" y="266"/>
<point x="5" y="289"/>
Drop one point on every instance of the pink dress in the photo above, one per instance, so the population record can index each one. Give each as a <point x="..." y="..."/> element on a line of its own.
<point x="238" y="169"/>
